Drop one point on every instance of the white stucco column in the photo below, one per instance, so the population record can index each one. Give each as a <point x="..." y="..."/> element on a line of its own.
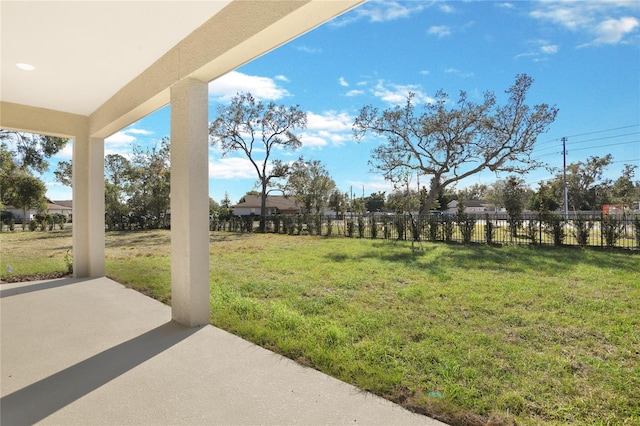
<point x="189" y="203"/>
<point x="88" y="207"/>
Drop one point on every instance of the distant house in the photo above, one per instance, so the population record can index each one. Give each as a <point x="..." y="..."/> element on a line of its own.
<point x="276" y="204"/>
<point x="470" y="207"/>
<point x="53" y="207"/>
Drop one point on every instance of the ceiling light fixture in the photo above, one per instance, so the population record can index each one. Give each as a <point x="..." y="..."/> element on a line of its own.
<point x="25" y="67"/>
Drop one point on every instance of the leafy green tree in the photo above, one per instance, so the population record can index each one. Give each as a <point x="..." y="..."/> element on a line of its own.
<point x="357" y="205"/>
<point x="118" y="173"/>
<point x="404" y="200"/>
<point x="310" y="184"/>
<point x="624" y="190"/>
<point x="477" y="191"/>
<point x="545" y="199"/>
<point x="63" y="173"/>
<point x="375" y="202"/>
<point x="25" y="191"/>
<point x="513" y="196"/>
<point x="494" y="194"/>
<point x="225" y="207"/>
<point x="149" y="184"/>
<point x="338" y="201"/>
<point x="250" y="127"/>
<point x="586" y="190"/>
<point x="451" y="141"/>
<point x="30" y="150"/>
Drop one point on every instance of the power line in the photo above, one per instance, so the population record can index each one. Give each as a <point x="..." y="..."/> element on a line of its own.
<point x="605" y="146"/>
<point x="590" y="147"/>
<point x="606" y="137"/>
<point x="592" y="140"/>
<point x="590" y="133"/>
<point x="603" y="131"/>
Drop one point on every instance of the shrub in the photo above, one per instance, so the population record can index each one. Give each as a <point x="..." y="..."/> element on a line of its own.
<point x="308" y="218"/>
<point x="636" y="227"/>
<point x="488" y="230"/>
<point x="351" y="227"/>
<point x="447" y="228"/>
<point x="386" y="229"/>
<point x="33" y="225"/>
<point x="433" y="228"/>
<point x="68" y="260"/>
<point x="582" y="229"/>
<point x="374" y="227"/>
<point x="400" y="226"/>
<point x="299" y="223"/>
<point x="361" y="227"/>
<point x="612" y="230"/>
<point x="317" y="220"/>
<point x="532" y="230"/>
<point x="329" y="226"/>
<point x="554" y="226"/>
<point x="467" y="227"/>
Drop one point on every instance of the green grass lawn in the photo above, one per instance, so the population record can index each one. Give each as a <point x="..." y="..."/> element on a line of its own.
<point x="466" y="334"/>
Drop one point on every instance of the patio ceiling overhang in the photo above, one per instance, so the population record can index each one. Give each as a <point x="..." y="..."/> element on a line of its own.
<point x="86" y="69"/>
<point x="101" y="65"/>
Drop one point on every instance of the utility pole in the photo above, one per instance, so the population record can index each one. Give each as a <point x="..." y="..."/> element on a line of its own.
<point x="564" y="177"/>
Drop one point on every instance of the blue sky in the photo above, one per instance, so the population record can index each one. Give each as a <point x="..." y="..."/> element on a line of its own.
<point x="584" y="57"/>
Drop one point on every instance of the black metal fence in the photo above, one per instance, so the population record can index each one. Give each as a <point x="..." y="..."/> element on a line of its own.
<point x="601" y="230"/>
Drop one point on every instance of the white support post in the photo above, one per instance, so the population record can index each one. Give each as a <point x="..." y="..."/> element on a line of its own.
<point x="88" y="207"/>
<point x="189" y="203"/>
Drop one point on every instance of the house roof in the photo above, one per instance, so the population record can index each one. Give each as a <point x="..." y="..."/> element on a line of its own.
<point x="273" y="202"/>
<point x="469" y="203"/>
<point x="65" y="203"/>
<point x="115" y="61"/>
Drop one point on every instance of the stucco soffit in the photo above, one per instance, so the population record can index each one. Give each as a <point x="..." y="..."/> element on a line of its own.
<point x="40" y="120"/>
<point x="237" y="34"/>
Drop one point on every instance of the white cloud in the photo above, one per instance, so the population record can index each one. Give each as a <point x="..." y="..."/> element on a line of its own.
<point x="120" y="138"/>
<point x="458" y="72"/>
<point x="330" y="127"/>
<point x="446" y="8"/>
<point x="230" y="84"/>
<point x="611" y="31"/>
<point x="381" y="11"/>
<point x="281" y="78"/>
<point x="505" y="5"/>
<point x="232" y="168"/>
<point x="138" y="131"/>
<point x="343" y="82"/>
<point x="542" y="49"/>
<point x="354" y="92"/>
<point x="439" y="31"/>
<point x="65" y="153"/>
<point x="397" y="93"/>
<point x="331" y="121"/>
<point x="425" y="72"/>
<point x="608" y="21"/>
<point x="376" y="184"/>
<point x="313" y="141"/>
<point x="308" y="49"/>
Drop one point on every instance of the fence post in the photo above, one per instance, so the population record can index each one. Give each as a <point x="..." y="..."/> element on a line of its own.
<point x="601" y="229"/>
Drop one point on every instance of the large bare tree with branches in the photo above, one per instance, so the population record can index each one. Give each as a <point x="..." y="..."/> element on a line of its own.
<point x="452" y="141"/>
<point x="255" y="129"/>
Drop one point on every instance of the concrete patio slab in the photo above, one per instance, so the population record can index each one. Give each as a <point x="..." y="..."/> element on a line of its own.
<point x="92" y="352"/>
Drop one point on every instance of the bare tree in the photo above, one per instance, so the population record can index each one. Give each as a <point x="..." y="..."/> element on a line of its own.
<point x="450" y="143"/>
<point x="256" y="129"/>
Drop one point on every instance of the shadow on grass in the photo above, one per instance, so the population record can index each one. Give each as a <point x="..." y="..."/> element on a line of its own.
<point x="517" y="259"/>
